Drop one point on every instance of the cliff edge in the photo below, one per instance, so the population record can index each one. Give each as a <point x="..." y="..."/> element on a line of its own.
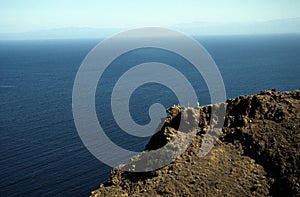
<point x="256" y="154"/>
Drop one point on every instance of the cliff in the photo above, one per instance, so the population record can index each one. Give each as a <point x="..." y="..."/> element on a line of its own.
<point x="256" y="154"/>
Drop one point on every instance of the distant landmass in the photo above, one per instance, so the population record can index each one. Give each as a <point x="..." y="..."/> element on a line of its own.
<point x="62" y="33"/>
<point x="281" y="26"/>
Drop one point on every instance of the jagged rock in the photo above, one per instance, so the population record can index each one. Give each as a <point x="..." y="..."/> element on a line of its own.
<point x="257" y="153"/>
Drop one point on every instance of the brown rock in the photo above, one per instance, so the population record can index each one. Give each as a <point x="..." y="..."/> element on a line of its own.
<point x="257" y="154"/>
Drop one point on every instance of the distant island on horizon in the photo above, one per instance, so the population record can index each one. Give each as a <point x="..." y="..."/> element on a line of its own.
<point x="280" y="26"/>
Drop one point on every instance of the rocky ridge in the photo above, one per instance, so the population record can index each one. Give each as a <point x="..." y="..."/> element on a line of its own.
<point x="256" y="152"/>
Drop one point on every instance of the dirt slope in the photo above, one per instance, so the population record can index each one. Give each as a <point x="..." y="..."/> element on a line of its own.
<point x="257" y="153"/>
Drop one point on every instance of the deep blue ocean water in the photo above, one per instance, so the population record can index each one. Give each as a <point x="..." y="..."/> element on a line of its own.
<point x="41" y="152"/>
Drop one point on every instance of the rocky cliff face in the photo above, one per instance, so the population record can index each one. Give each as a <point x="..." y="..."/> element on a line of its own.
<point x="256" y="154"/>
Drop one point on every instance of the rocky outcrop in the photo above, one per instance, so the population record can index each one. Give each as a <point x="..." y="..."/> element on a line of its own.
<point x="256" y="152"/>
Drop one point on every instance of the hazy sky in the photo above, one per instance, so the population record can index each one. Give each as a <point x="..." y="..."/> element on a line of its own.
<point x="28" y="15"/>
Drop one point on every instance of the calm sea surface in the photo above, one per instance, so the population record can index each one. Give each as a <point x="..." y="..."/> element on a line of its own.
<point x="41" y="152"/>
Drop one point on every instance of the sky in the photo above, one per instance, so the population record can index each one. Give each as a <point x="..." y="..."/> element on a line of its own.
<point x="30" y="15"/>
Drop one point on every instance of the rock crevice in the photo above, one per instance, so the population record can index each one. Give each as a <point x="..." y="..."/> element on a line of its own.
<point x="256" y="152"/>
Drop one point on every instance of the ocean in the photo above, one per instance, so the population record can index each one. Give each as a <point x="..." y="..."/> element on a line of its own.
<point x="41" y="151"/>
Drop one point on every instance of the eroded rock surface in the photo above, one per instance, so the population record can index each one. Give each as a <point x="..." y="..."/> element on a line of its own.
<point x="256" y="154"/>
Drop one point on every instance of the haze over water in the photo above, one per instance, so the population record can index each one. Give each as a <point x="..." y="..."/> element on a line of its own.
<point x="41" y="152"/>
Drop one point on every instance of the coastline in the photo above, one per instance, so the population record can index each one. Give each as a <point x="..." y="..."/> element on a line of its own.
<point x="257" y="153"/>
